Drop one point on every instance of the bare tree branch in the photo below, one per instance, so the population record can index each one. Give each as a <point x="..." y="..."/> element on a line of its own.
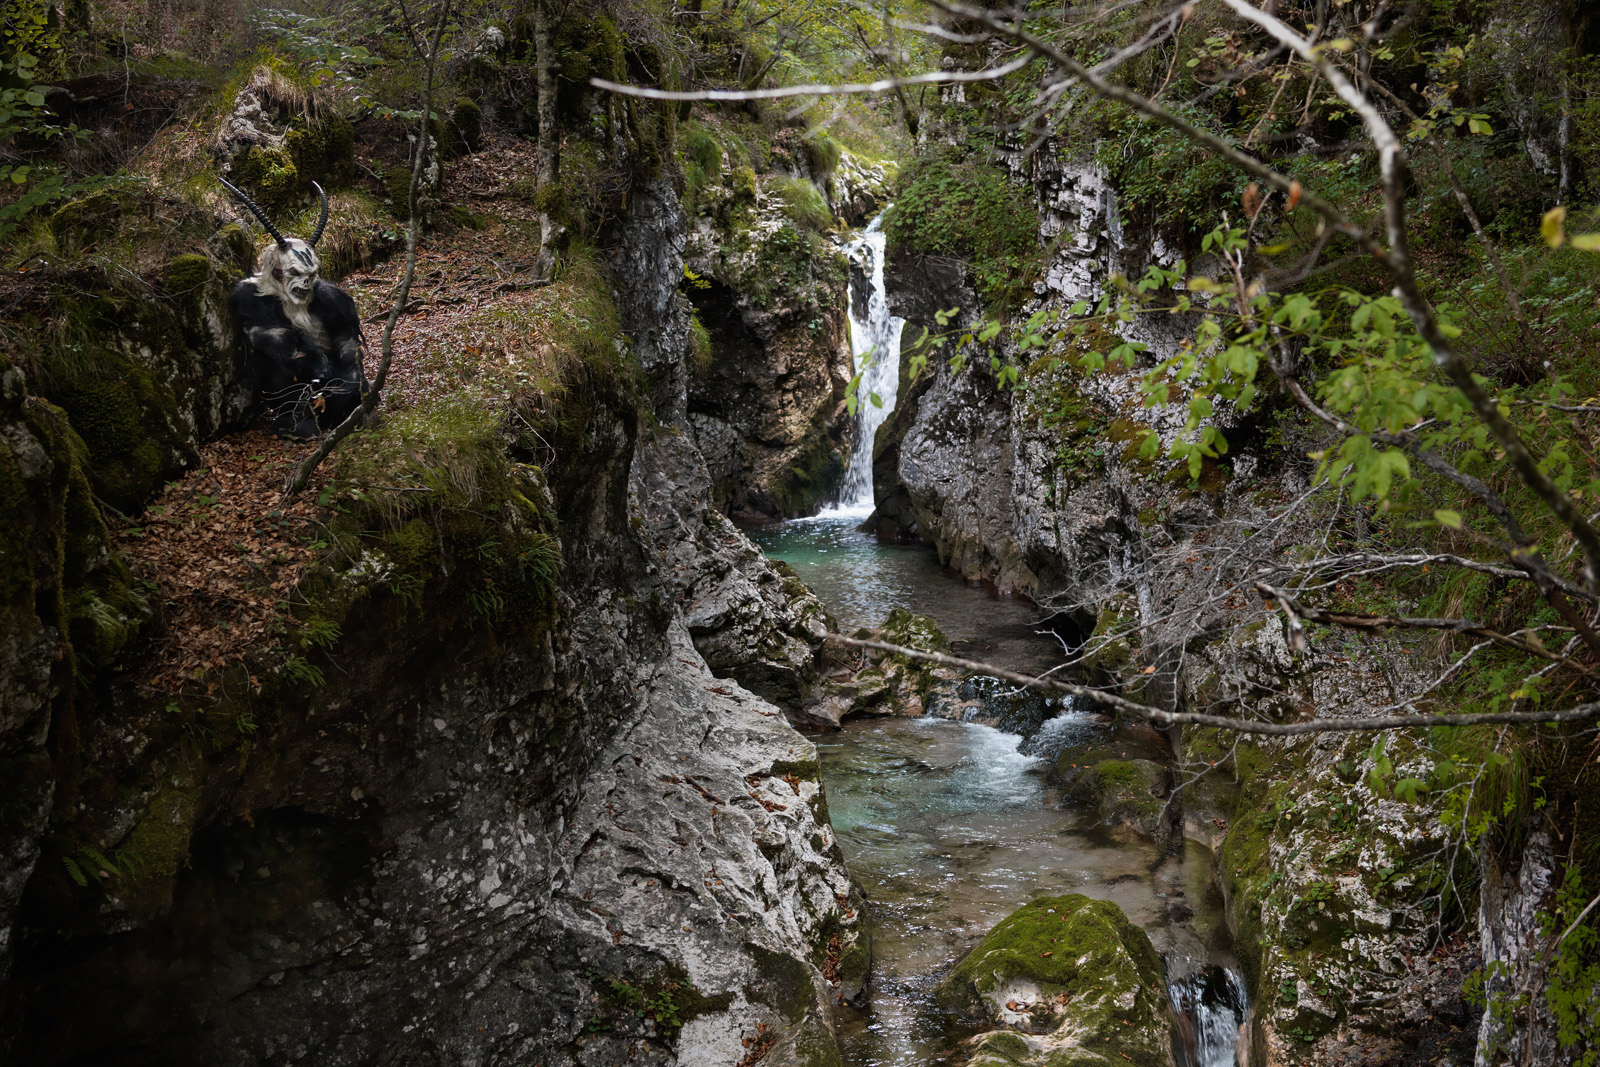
<point x="302" y="473"/>
<point x="1358" y="621"/>
<point x="884" y="85"/>
<point x="1354" y="724"/>
<point x="1357" y="564"/>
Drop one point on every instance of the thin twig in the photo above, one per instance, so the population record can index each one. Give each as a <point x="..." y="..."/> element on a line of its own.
<point x="359" y="416"/>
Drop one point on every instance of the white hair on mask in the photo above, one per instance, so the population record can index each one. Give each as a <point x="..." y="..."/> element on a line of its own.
<point x="288" y="271"/>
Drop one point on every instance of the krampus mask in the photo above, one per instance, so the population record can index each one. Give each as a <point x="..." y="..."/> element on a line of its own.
<point x="302" y="336"/>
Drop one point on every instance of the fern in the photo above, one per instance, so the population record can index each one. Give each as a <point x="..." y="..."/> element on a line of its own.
<point x="301" y="670"/>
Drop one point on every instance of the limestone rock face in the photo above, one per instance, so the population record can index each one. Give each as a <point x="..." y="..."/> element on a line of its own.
<point x="647" y="258"/>
<point x="766" y="394"/>
<point x="559" y="842"/>
<point x="1042" y="489"/>
<point x="743" y="903"/>
<point x="751" y="618"/>
<point x="1072" y="981"/>
<point x="858" y="188"/>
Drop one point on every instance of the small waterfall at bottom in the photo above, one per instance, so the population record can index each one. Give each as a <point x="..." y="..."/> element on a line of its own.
<point x="874" y="332"/>
<point x="1211" y="1005"/>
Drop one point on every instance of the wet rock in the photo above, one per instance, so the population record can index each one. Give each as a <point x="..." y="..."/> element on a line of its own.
<point x="1128" y="796"/>
<point x="752" y="619"/>
<point x="858" y="188"/>
<point x="875" y="682"/>
<point x="766" y="389"/>
<point x="991" y="702"/>
<point x="864" y="692"/>
<point x="1072" y="980"/>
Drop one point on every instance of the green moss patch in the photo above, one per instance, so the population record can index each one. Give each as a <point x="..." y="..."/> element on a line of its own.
<point x="1097" y="978"/>
<point x="126" y="420"/>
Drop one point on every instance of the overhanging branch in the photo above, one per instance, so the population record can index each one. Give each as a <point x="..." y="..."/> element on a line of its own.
<point x="1354" y="724"/>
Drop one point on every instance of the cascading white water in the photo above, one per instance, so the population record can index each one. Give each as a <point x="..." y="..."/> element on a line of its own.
<point x="876" y="338"/>
<point x="1211" y="1005"/>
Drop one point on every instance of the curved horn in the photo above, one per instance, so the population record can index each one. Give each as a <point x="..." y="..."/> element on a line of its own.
<point x="322" y="219"/>
<point x="255" y="209"/>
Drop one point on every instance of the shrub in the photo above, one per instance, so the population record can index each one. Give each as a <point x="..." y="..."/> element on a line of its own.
<point x="803" y="202"/>
<point x="823" y="152"/>
<point x="971" y="211"/>
<point x="702" y="150"/>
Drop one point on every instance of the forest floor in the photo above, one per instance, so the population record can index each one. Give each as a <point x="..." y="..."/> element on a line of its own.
<point x="224" y="548"/>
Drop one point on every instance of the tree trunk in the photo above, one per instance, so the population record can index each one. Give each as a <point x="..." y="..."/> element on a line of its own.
<point x="549" y="173"/>
<point x="1510" y="903"/>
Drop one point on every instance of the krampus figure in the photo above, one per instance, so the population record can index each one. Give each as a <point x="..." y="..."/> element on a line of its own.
<point x="302" y="336"/>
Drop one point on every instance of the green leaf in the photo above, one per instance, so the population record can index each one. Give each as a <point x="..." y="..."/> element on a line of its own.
<point x="1551" y="227"/>
<point x="1409" y="789"/>
<point x="34" y="98"/>
<point x="1451" y="519"/>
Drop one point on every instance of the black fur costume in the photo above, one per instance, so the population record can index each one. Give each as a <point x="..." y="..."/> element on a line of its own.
<point x="301" y="335"/>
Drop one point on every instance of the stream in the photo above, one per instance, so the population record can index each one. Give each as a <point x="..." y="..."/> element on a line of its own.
<point x="950" y="826"/>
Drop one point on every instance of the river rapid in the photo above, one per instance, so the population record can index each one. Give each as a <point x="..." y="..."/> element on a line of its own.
<point x="950" y="826"/>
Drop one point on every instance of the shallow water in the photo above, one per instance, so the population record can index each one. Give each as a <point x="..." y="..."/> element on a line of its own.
<point x="950" y="826"/>
<point x="862" y="579"/>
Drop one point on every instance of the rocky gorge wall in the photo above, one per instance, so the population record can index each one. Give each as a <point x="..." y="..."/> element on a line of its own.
<point x="1333" y="887"/>
<point x="560" y="838"/>
<point x="766" y="391"/>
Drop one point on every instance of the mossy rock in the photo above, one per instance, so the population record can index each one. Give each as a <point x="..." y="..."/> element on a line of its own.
<point x="149" y="859"/>
<point x="235" y="248"/>
<point x="1114" y="642"/>
<point x="910" y="630"/>
<point x="85" y="221"/>
<point x="57" y="578"/>
<point x="186" y="277"/>
<point x="397" y="186"/>
<point x="279" y="179"/>
<point x="324" y="151"/>
<point x="128" y="423"/>
<point x="815" y="472"/>
<point x="466" y="126"/>
<point x="1076" y="973"/>
<point x="1127" y="795"/>
<point x="270" y="176"/>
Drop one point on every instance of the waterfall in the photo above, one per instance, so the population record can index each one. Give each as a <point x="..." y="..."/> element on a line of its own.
<point x="1211" y="1006"/>
<point x="876" y="333"/>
